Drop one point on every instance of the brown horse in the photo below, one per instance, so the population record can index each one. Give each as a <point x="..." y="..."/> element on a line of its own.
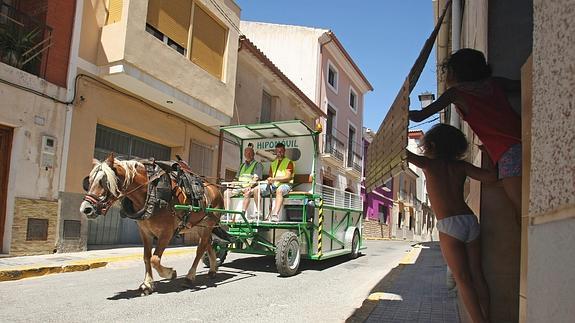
<point x="115" y="179"/>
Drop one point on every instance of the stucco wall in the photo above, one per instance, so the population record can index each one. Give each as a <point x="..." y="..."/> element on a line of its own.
<point x="551" y="283"/>
<point x="340" y="101"/>
<point x="127" y="42"/>
<point x="553" y="143"/>
<point x="253" y="77"/>
<point x="112" y="109"/>
<point x="273" y="40"/>
<point x="32" y="117"/>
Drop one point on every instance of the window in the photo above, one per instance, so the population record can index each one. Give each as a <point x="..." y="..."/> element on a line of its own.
<point x="350" y="143"/>
<point x="352" y="99"/>
<point x="201" y="157"/>
<point x="332" y="76"/>
<point x="114" y="11"/>
<point x="330" y="122"/>
<point x="266" y="113"/>
<point x="171" y="18"/>
<point x="208" y="42"/>
<point x="382" y="213"/>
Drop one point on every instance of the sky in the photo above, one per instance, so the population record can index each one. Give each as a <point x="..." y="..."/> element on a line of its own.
<point x="383" y="37"/>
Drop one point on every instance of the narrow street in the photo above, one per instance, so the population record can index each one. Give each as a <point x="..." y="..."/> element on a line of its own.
<point x="246" y="289"/>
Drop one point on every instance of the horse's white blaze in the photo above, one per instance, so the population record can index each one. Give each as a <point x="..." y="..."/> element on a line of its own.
<point x="102" y="169"/>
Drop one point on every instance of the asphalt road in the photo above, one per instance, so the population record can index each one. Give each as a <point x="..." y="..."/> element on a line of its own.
<point x="246" y="289"/>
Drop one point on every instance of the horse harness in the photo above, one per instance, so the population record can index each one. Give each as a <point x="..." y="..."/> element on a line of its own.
<point x="161" y="177"/>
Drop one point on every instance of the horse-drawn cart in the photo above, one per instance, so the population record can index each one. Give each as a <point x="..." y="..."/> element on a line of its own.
<point x="316" y="222"/>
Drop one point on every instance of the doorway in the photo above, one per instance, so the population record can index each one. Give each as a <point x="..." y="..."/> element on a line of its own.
<point x="6" y="149"/>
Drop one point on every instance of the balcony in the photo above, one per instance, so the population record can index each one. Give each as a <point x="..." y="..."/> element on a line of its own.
<point x="338" y="198"/>
<point x="406" y="198"/>
<point x="24" y="42"/>
<point x="353" y="163"/>
<point x="135" y="56"/>
<point x="333" y="150"/>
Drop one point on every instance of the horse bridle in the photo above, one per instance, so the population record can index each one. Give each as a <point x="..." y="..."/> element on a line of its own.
<point x="100" y="205"/>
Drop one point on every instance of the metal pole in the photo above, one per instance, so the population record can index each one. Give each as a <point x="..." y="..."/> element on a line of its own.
<point x="320" y="228"/>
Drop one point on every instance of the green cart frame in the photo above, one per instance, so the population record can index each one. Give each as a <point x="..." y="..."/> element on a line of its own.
<point x="317" y="222"/>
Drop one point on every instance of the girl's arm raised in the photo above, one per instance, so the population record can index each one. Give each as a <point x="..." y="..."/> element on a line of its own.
<point x="417" y="160"/>
<point x="443" y="101"/>
<point x="481" y="174"/>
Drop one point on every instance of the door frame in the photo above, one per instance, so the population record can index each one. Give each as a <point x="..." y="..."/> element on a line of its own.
<point x="6" y="135"/>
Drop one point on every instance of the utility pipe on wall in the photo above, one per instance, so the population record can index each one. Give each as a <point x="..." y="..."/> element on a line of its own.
<point x="455" y="46"/>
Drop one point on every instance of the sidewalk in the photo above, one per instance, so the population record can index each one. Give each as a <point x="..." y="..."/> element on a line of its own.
<point x="414" y="291"/>
<point x="15" y="268"/>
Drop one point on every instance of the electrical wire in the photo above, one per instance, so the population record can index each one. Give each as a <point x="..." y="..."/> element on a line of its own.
<point x="419" y="124"/>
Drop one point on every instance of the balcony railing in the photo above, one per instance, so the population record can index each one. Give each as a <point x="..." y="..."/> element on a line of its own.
<point x="405" y="197"/>
<point x="338" y="198"/>
<point x="24" y="41"/>
<point x="354" y="161"/>
<point x="334" y="147"/>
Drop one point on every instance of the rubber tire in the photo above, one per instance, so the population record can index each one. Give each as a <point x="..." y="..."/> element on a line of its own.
<point x="355" y="245"/>
<point x="221" y="254"/>
<point x="287" y="263"/>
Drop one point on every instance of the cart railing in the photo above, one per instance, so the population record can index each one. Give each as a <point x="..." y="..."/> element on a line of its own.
<point x="338" y="198"/>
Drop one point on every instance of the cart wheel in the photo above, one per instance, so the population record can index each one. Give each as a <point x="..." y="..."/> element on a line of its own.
<point x="221" y="253"/>
<point x="354" y="245"/>
<point x="288" y="254"/>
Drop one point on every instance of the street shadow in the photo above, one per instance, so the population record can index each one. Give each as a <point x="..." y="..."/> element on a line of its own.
<point x="181" y="284"/>
<point x="267" y="264"/>
<point x="407" y="286"/>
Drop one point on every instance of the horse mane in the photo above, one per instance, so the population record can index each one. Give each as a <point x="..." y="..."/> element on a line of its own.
<point x="129" y="166"/>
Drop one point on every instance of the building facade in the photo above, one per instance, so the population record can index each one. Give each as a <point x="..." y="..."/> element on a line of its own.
<point x="36" y="90"/>
<point x="263" y="94"/>
<point x="326" y="74"/>
<point x="377" y="204"/>
<point x="155" y="79"/>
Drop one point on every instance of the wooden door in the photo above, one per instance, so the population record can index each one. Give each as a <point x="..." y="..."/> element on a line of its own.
<point x="5" y="152"/>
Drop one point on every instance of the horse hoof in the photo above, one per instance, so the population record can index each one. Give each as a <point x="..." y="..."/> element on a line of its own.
<point x="212" y="274"/>
<point x="189" y="282"/>
<point x="174" y="275"/>
<point x="146" y="289"/>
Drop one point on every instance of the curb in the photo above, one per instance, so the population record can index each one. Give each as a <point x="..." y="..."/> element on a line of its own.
<point x="80" y="265"/>
<point x="17" y="274"/>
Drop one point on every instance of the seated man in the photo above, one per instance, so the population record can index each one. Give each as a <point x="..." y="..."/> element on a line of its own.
<point x="249" y="173"/>
<point x="279" y="182"/>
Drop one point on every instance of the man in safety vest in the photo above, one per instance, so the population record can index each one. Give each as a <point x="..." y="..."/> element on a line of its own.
<point x="279" y="182"/>
<point x="249" y="173"/>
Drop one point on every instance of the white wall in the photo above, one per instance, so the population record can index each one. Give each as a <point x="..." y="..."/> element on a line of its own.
<point x="281" y="42"/>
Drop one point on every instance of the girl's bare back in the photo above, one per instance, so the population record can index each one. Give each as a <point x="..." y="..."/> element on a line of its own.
<point x="445" y="181"/>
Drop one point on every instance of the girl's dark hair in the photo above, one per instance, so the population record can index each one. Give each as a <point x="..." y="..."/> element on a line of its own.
<point x="467" y="65"/>
<point x="443" y="141"/>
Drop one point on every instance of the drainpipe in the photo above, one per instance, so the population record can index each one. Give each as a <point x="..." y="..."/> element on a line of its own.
<point x="70" y="88"/>
<point x="442" y="46"/>
<point x="455" y="45"/>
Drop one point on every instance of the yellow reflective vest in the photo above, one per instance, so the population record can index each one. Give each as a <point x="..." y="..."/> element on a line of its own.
<point x="246" y="173"/>
<point x="280" y="171"/>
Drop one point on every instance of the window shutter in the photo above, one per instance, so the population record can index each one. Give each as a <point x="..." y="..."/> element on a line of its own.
<point x="208" y="42"/>
<point x="172" y="18"/>
<point x="114" y="11"/>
